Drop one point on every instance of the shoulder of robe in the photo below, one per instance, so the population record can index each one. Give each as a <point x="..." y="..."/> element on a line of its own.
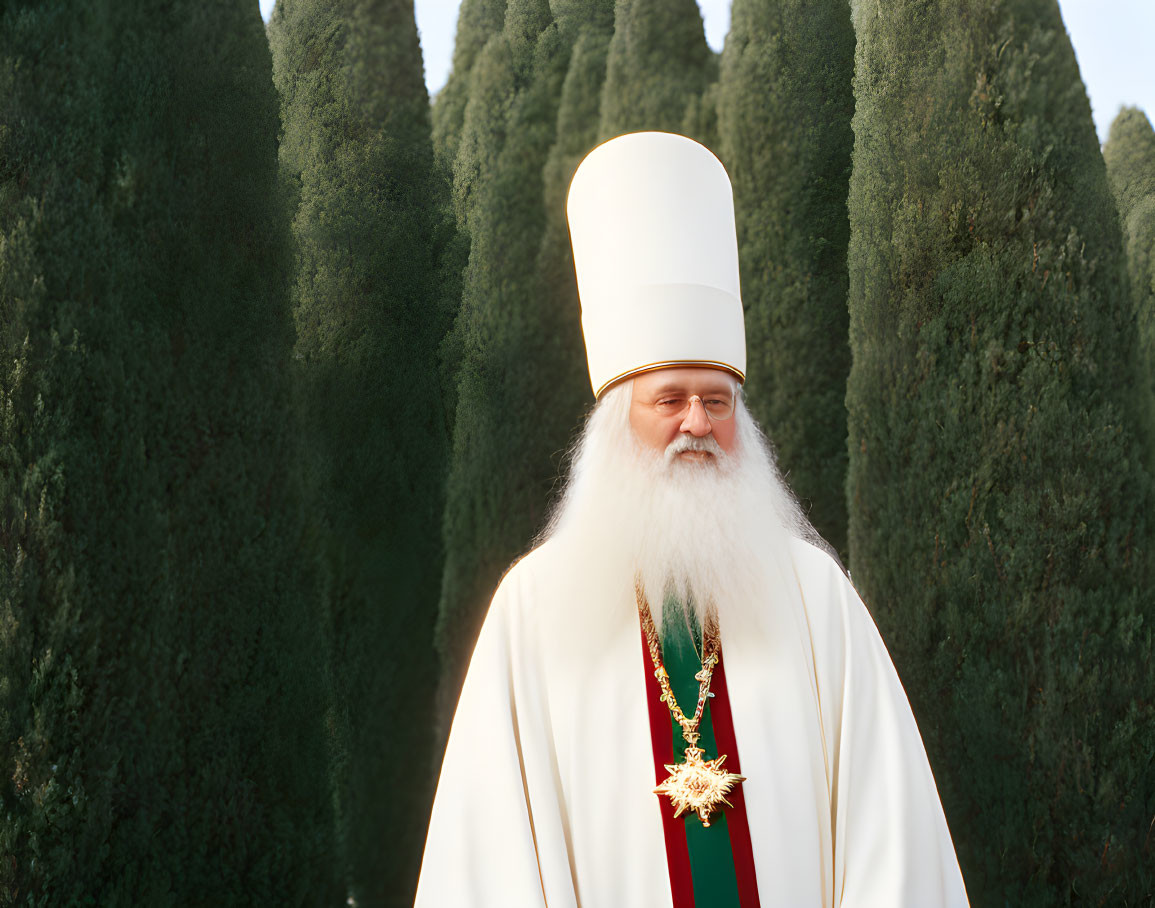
<point x="521" y="584"/>
<point x="834" y="610"/>
<point x="818" y="571"/>
<point x="529" y="568"/>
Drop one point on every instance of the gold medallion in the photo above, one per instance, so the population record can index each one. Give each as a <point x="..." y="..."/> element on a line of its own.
<point x="699" y="786"/>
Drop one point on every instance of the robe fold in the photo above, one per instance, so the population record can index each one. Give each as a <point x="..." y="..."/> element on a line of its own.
<point x="546" y="791"/>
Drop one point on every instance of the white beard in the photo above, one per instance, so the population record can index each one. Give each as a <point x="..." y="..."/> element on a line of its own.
<point x="711" y="534"/>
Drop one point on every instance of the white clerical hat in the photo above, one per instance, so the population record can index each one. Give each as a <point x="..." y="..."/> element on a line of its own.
<point x="651" y="218"/>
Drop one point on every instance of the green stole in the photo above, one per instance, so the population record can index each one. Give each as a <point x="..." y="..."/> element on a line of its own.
<point x="711" y="854"/>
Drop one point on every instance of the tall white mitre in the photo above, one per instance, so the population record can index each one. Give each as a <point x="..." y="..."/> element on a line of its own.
<point x="651" y="218"/>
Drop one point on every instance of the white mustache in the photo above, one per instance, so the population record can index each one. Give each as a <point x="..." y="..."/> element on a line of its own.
<point x="688" y="442"/>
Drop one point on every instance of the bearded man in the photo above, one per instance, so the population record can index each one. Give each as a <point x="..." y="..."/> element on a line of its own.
<point x="677" y="697"/>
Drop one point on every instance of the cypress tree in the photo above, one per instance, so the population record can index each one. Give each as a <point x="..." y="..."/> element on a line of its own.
<point x="997" y="506"/>
<point x="367" y="303"/>
<point x="162" y="735"/>
<point x="658" y="69"/>
<point x="588" y="24"/>
<point x="518" y="397"/>
<point x="1130" y="157"/>
<point x="477" y="22"/>
<point x="784" y="110"/>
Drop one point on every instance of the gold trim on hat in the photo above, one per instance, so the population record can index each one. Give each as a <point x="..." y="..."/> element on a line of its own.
<point x="671" y="364"/>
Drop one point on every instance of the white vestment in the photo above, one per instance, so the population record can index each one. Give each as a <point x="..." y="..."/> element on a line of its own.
<point x="546" y="792"/>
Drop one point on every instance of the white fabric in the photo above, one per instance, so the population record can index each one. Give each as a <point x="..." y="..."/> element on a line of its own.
<point x="651" y="218"/>
<point x="545" y="797"/>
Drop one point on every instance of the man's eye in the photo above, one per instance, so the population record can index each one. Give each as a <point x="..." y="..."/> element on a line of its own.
<point x="671" y="404"/>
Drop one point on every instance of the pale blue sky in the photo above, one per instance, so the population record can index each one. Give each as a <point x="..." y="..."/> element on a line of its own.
<point x="1112" y="40"/>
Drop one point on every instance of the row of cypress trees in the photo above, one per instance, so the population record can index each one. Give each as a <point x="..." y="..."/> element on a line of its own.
<point x="283" y="398"/>
<point x="223" y="299"/>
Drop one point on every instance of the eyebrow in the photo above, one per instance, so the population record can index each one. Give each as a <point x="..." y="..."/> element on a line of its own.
<point x="672" y="387"/>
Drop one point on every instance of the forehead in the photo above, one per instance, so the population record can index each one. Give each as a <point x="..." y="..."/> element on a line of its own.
<point x="687" y="379"/>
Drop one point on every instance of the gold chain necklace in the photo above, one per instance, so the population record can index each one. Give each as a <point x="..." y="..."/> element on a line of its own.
<point x="697" y="785"/>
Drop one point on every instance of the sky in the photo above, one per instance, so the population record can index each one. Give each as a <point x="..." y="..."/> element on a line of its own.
<point x="1111" y="39"/>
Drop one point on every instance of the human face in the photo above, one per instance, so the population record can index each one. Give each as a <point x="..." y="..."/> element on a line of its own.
<point x="657" y="431"/>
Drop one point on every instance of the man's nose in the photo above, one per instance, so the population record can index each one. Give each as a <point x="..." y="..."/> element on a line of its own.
<point x="697" y="423"/>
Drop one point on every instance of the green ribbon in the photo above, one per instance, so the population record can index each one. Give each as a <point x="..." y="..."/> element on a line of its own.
<point x="711" y="855"/>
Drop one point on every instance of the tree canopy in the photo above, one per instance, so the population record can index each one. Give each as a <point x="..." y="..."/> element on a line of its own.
<point x="162" y="729"/>
<point x="784" y="109"/>
<point x="368" y="300"/>
<point x="1130" y="157"/>
<point x="998" y="507"/>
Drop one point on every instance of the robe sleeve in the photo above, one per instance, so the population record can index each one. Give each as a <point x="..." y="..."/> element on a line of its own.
<point x="484" y="839"/>
<point x="892" y="847"/>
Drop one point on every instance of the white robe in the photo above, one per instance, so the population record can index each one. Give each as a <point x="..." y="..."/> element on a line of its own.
<point x="546" y="792"/>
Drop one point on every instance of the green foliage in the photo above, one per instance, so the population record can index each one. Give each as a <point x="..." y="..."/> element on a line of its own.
<point x="658" y="69"/>
<point x="1130" y="157"/>
<point x="370" y="313"/>
<point x="589" y="24"/>
<point x="784" y="110"/>
<point x="523" y="383"/>
<point x="477" y="22"/>
<point x="998" y="508"/>
<point x="160" y="719"/>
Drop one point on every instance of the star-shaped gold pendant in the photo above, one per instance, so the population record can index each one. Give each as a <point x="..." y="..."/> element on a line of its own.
<point x="698" y="785"/>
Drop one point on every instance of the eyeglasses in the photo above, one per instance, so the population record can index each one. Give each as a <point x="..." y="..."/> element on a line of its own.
<point x="673" y="405"/>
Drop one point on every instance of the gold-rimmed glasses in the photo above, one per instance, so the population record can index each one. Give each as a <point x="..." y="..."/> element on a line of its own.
<point x="718" y="407"/>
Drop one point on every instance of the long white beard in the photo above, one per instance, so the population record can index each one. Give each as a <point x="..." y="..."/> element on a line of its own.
<point x="712" y="534"/>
